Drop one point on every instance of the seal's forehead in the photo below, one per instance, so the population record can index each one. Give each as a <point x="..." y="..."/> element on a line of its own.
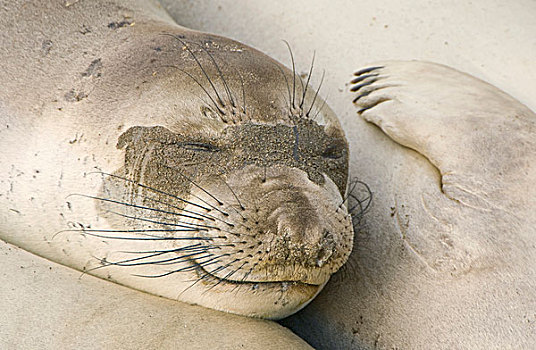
<point x="234" y="84"/>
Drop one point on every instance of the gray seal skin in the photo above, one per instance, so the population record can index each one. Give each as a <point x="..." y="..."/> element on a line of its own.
<point x="175" y="162"/>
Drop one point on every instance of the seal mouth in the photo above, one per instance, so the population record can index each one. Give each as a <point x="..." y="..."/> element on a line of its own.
<point x="210" y="277"/>
<point x="266" y="299"/>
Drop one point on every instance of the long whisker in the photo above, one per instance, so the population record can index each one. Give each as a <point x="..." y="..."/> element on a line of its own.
<point x="187" y="268"/>
<point x="134" y="206"/>
<point x="200" y="66"/>
<point x="205" y="216"/>
<point x="226" y="277"/>
<point x="293" y="74"/>
<point x="225" y="85"/>
<point x="316" y="94"/>
<point x="288" y="88"/>
<point x="243" y="93"/>
<point x="197" y="246"/>
<point x="201" y="188"/>
<point x="151" y="238"/>
<point x="308" y="80"/>
<point x="350" y="190"/>
<point x="234" y="195"/>
<point x="180" y="224"/>
<point x="220" y="110"/>
<point x="209" y="217"/>
<point x="153" y="189"/>
<point x="127" y="262"/>
<point x="320" y="108"/>
<point x="174" y="260"/>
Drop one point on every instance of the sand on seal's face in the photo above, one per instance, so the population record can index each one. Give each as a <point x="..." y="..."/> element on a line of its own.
<point x="175" y="162"/>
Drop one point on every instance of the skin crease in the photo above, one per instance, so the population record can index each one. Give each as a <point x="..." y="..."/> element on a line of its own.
<point x="186" y="165"/>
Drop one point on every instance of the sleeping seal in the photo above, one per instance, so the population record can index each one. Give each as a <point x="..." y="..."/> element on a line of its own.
<point x="179" y="163"/>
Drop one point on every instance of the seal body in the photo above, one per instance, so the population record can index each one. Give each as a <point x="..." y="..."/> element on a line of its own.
<point x="171" y="161"/>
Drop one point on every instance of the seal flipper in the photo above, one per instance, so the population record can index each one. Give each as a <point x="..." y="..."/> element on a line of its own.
<point x="480" y="139"/>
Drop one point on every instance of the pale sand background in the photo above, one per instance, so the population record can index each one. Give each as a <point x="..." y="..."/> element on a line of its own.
<point x="493" y="40"/>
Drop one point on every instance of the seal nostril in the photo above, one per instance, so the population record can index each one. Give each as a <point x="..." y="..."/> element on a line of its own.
<point x="327" y="246"/>
<point x="323" y="256"/>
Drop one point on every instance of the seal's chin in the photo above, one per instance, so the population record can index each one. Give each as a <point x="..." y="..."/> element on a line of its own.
<point x="270" y="299"/>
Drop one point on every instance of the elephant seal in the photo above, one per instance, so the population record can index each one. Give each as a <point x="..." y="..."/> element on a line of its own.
<point x="175" y="162"/>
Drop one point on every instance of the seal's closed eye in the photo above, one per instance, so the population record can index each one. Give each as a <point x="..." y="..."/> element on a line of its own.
<point x="200" y="147"/>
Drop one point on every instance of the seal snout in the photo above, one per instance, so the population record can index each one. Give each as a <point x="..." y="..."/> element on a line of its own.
<point x="303" y="237"/>
<point x="275" y="226"/>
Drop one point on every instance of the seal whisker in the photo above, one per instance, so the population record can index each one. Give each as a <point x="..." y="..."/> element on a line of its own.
<point x="363" y="209"/>
<point x="191" y="247"/>
<point x="308" y="80"/>
<point x="143" y="230"/>
<point x="225" y="85"/>
<point x="220" y="110"/>
<point x="206" y="216"/>
<point x="288" y="88"/>
<point x="126" y="262"/>
<point x="168" y="261"/>
<point x="179" y="224"/>
<point x="239" y="203"/>
<point x="154" y="190"/>
<point x="293" y="105"/>
<point x="236" y="234"/>
<point x="197" y="246"/>
<point x="299" y="110"/>
<point x="353" y="185"/>
<point x="246" y="275"/>
<point x="226" y="277"/>
<point x="316" y="94"/>
<point x="243" y="93"/>
<point x="145" y="238"/>
<point x="206" y="274"/>
<point x="209" y="217"/>
<point x="137" y="206"/>
<point x="320" y="108"/>
<point x="362" y="205"/>
<point x="236" y="197"/>
<point x="201" y="188"/>
<point x="195" y="265"/>
<point x="185" y="45"/>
